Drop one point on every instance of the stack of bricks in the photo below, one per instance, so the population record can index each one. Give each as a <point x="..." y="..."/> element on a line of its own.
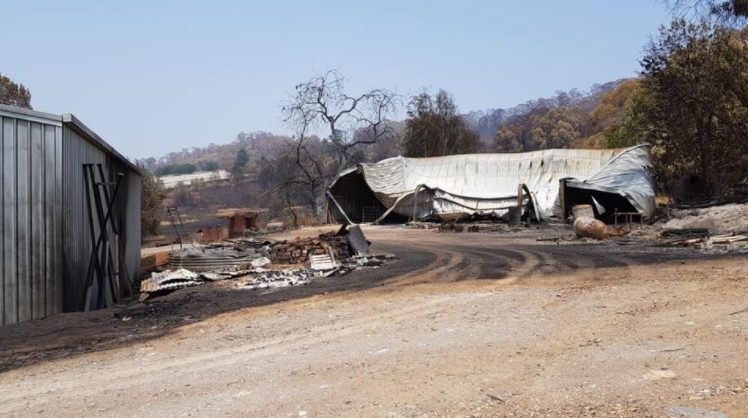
<point x="451" y="227"/>
<point x="340" y="245"/>
<point x="299" y="250"/>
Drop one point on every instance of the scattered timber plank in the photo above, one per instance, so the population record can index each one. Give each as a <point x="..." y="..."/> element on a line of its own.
<point x="155" y="260"/>
<point x="685" y="233"/>
<point x="727" y="239"/>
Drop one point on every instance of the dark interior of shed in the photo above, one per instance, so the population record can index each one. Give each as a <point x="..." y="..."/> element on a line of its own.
<point x="356" y="198"/>
<point x="609" y="202"/>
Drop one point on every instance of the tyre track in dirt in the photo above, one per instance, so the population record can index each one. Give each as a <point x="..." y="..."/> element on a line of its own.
<point x="450" y="264"/>
<point x="497" y="261"/>
<point x="487" y="265"/>
<point x="463" y="262"/>
<point x="444" y="262"/>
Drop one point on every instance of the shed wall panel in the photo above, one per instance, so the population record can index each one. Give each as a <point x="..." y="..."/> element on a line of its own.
<point x="59" y="220"/>
<point x="9" y="254"/>
<point x="2" y="225"/>
<point x="76" y="230"/>
<point x="37" y="209"/>
<point x="52" y="222"/>
<point x="23" y="219"/>
<point x="79" y="241"/>
<point x="29" y="229"/>
<point x="45" y="239"/>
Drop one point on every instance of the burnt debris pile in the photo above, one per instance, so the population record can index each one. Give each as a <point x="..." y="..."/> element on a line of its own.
<point x="263" y="264"/>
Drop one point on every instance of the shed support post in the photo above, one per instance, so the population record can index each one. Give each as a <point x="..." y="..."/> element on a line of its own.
<point x="562" y="198"/>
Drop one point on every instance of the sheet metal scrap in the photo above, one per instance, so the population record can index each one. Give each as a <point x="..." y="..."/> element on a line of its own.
<point x="261" y="262"/>
<point x="213" y="258"/>
<point x="213" y="276"/>
<point x="322" y="262"/>
<point x="244" y="243"/>
<point x="358" y="262"/>
<point x="357" y="241"/>
<point x="282" y="278"/>
<point x="169" y="280"/>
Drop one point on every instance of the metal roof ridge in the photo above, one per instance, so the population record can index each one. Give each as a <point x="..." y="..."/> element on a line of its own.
<point x="93" y="137"/>
<point x="31" y="112"/>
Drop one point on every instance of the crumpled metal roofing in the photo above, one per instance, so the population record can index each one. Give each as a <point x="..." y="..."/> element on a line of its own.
<point x="629" y="174"/>
<point x="488" y="183"/>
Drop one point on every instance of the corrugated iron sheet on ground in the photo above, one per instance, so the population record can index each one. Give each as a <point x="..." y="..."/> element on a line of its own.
<point x="211" y="259"/>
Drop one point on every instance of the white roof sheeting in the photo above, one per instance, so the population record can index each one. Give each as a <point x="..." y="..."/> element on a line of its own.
<point x="488" y="183"/>
<point x="171" y="181"/>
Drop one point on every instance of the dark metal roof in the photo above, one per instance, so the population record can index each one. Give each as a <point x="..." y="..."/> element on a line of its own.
<point x="74" y="123"/>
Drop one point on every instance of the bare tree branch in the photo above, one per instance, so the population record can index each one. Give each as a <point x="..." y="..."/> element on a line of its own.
<point x="346" y="122"/>
<point x="728" y="12"/>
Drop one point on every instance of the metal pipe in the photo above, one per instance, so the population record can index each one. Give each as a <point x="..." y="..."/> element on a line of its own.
<point x="342" y="212"/>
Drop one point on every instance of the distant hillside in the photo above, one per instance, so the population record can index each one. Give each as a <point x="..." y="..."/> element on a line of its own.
<point x="258" y="145"/>
<point x="267" y="146"/>
<point x="487" y="122"/>
<point x="592" y="120"/>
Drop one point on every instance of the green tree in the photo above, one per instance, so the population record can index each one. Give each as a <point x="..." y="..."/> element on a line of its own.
<point x="14" y="94"/>
<point x="557" y="128"/>
<point x="151" y="210"/>
<point x="610" y="112"/>
<point x="209" y="166"/>
<point x="637" y="125"/>
<point x="242" y="158"/>
<point x="507" y="140"/>
<point x="176" y="169"/>
<point x="695" y="106"/>
<point x="435" y="128"/>
<point x="541" y="128"/>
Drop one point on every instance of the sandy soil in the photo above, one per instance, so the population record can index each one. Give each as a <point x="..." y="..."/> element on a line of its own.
<point x="718" y="219"/>
<point x="463" y="324"/>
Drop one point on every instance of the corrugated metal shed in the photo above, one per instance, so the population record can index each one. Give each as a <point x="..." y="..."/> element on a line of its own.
<point x="45" y="243"/>
<point x="488" y="184"/>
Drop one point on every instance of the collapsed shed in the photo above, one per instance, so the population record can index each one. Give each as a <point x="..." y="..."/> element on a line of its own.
<point x="546" y="184"/>
<point x="57" y="176"/>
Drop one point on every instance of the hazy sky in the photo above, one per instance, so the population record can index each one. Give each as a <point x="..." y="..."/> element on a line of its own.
<point x="157" y="76"/>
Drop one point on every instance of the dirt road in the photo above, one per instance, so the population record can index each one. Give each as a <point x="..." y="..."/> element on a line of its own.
<point x="461" y="325"/>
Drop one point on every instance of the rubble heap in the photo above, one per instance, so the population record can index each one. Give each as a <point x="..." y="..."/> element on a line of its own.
<point x="339" y="243"/>
<point x="251" y="262"/>
<point x="278" y="278"/>
<point x="299" y="250"/>
<point x="239" y="252"/>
